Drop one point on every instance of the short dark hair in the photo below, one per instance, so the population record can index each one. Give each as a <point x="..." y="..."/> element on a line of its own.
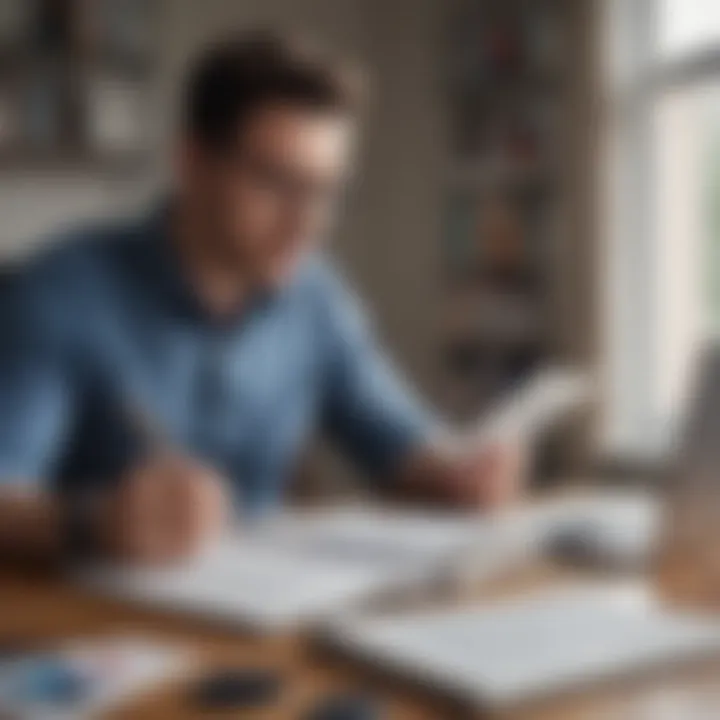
<point x="244" y="73"/>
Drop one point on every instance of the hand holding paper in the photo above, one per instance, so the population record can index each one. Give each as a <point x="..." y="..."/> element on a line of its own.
<point x="473" y="477"/>
<point x="484" y="466"/>
<point x="490" y="477"/>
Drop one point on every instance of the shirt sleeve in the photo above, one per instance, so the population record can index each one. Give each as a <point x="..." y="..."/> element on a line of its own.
<point x="370" y="412"/>
<point x="35" y="388"/>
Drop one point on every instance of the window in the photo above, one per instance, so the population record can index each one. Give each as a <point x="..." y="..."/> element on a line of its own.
<point x="686" y="26"/>
<point x="663" y="209"/>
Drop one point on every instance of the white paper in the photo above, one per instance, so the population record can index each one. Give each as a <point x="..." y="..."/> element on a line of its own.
<point x="302" y="568"/>
<point x="307" y="566"/>
<point x="245" y="583"/>
<point x="544" y="399"/>
<point x="516" y="651"/>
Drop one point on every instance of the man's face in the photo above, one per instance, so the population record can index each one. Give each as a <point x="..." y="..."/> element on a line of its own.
<point x="272" y="196"/>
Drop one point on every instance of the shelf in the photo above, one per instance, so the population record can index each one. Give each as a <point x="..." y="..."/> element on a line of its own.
<point x="54" y="161"/>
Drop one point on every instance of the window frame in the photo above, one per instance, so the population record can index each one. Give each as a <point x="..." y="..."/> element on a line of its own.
<point x="636" y="75"/>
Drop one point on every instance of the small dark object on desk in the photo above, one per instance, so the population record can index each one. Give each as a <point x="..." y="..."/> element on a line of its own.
<point x="237" y="688"/>
<point x="346" y="707"/>
<point x="617" y="546"/>
<point x="573" y="545"/>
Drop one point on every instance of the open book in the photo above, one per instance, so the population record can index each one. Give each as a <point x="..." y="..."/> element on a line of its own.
<point x="307" y="567"/>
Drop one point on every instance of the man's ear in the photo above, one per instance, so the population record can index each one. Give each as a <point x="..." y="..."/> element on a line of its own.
<point x="190" y="161"/>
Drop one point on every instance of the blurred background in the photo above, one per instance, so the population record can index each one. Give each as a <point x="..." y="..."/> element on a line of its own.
<point x="540" y="179"/>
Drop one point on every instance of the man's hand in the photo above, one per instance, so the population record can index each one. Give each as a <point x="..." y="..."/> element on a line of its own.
<point x="162" y="511"/>
<point x="485" y="479"/>
<point x="489" y="478"/>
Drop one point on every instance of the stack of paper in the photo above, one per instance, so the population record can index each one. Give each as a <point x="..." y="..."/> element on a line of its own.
<point x="511" y="653"/>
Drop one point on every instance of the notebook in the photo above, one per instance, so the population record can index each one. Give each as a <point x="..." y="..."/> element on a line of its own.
<point x="304" y="567"/>
<point x="505" y="654"/>
<point x="244" y="583"/>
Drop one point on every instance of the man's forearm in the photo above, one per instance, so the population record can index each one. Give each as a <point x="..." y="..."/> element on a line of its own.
<point x="31" y="526"/>
<point x="467" y="477"/>
<point x="420" y="476"/>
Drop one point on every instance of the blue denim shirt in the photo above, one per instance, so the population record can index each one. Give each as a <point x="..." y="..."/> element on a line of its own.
<point x="102" y="340"/>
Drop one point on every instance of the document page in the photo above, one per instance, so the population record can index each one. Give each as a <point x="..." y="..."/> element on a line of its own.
<point x="516" y="651"/>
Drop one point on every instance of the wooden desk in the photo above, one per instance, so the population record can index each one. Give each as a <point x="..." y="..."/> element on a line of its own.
<point x="42" y="610"/>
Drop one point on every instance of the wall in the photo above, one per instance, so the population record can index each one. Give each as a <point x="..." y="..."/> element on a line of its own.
<point x="396" y="252"/>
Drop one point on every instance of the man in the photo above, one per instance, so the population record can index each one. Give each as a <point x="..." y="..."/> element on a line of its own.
<point x="160" y="374"/>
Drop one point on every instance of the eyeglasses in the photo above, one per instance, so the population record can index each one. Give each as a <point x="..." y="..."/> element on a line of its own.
<point x="289" y="185"/>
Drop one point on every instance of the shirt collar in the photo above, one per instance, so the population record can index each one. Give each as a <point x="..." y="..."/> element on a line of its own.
<point x="170" y="279"/>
